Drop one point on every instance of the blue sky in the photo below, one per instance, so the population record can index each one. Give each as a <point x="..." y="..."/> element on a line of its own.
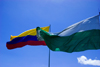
<point x="17" y="16"/>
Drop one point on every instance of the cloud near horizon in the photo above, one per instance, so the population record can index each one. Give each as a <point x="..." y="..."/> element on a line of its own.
<point x="85" y="61"/>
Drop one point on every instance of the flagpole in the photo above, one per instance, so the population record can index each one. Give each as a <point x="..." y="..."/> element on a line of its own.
<point x="49" y="50"/>
<point x="49" y="59"/>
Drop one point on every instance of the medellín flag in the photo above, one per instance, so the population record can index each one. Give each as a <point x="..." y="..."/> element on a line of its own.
<point x="28" y="37"/>
<point x="84" y="35"/>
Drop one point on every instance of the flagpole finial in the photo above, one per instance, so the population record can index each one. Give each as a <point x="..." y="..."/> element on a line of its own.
<point x="50" y="28"/>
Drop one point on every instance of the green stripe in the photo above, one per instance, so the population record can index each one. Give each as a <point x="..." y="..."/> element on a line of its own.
<point x="79" y="41"/>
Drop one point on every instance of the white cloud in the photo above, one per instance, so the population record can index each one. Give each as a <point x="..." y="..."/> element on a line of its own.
<point x="85" y="61"/>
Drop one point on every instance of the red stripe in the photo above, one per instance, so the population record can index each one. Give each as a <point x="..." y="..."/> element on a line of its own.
<point x="21" y="44"/>
<point x="36" y="43"/>
<point x="17" y="45"/>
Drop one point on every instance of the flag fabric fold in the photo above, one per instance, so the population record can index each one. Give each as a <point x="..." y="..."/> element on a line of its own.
<point x="81" y="36"/>
<point x="28" y="37"/>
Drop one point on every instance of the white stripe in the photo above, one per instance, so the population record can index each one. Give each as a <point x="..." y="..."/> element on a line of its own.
<point x="84" y="25"/>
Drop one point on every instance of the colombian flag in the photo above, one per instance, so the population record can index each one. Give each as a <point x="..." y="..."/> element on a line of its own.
<point x="28" y="37"/>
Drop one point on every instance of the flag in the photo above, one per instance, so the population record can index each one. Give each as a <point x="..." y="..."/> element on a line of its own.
<point x="81" y="36"/>
<point x="28" y="37"/>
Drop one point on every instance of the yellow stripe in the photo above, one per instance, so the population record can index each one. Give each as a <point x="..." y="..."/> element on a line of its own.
<point x="30" y="32"/>
<point x="12" y="37"/>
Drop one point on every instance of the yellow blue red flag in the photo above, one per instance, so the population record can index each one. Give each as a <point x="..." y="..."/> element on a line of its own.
<point x="28" y="37"/>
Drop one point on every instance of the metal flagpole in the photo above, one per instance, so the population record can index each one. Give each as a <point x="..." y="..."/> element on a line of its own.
<point x="49" y="59"/>
<point x="49" y="50"/>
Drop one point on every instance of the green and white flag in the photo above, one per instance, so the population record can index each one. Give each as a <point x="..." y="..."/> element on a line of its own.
<point x="84" y="35"/>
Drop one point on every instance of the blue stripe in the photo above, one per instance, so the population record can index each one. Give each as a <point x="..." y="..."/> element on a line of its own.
<point x="23" y="39"/>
